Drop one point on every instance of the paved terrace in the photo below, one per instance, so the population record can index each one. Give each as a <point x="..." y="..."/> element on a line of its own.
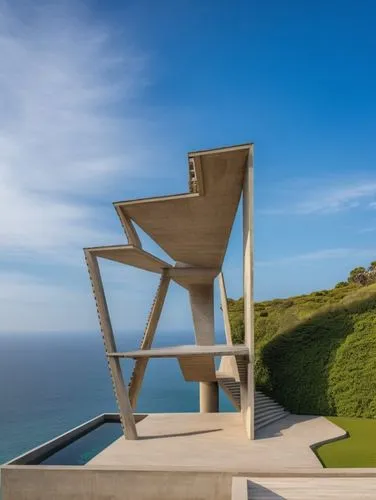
<point x="217" y="440"/>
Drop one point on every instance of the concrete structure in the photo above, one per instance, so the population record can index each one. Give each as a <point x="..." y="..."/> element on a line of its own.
<point x="191" y="456"/>
<point x="193" y="229"/>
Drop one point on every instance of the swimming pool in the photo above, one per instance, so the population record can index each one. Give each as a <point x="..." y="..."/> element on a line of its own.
<point x="77" y="446"/>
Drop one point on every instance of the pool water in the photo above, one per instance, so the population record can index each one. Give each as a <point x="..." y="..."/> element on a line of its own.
<point x="86" y="447"/>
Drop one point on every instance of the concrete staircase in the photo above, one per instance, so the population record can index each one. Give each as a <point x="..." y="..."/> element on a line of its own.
<point x="266" y="409"/>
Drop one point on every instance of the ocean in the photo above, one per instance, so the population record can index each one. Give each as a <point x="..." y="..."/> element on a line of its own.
<point x="50" y="383"/>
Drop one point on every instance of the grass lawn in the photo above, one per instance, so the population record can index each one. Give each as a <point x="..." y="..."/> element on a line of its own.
<point x="359" y="450"/>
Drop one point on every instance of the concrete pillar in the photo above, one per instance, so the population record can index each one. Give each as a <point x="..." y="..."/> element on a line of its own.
<point x="202" y="305"/>
<point x="201" y="297"/>
<point x="248" y="395"/>
<point x="209" y="397"/>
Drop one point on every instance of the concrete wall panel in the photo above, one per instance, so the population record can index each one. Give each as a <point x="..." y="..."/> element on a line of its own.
<point x="81" y="483"/>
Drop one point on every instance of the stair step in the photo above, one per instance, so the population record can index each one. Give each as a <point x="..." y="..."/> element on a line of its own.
<point x="268" y="408"/>
<point x="261" y="396"/>
<point x="233" y="385"/>
<point x="262" y="399"/>
<point x="263" y="404"/>
<point x="266" y="404"/>
<point x="266" y="421"/>
<point x="261" y="416"/>
<point x="231" y="390"/>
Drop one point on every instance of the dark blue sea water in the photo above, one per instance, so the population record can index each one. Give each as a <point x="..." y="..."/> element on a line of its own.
<point x="50" y="383"/>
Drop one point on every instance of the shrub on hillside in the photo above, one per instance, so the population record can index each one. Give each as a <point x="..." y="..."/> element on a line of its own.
<point x="318" y="354"/>
<point x="341" y="284"/>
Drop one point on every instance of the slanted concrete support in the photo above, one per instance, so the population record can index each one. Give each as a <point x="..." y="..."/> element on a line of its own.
<point x="120" y="389"/>
<point x="229" y="362"/>
<point x="155" y="313"/>
<point x="129" y="229"/>
<point x="202" y="304"/>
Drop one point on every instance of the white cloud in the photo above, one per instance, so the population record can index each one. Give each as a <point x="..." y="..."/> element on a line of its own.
<point x="319" y="255"/>
<point x="372" y="204"/>
<point x="328" y="199"/>
<point x="62" y="140"/>
<point x="68" y="137"/>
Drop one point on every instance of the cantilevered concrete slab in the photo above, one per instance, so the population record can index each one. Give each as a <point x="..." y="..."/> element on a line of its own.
<point x="195" y="228"/>
<point x="185" y="350"/>
<point x="219" y="440"/>
<point x="130" y="255"/>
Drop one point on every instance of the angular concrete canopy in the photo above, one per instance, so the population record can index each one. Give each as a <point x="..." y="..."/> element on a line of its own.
<point x="195" y="228"/>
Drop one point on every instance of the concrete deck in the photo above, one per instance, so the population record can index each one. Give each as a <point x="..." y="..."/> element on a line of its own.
<point x="180" y="351"/>
<point x="218" y="441"/>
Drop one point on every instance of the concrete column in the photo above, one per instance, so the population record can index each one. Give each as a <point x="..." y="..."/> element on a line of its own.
<point x="209" y="397"/>
<point x="201" y="297"/>
<point x="248" y="394"/>
<point x="202" y="304"/>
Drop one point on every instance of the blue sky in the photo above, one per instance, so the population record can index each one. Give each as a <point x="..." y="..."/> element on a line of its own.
<point x="101" y="101"/>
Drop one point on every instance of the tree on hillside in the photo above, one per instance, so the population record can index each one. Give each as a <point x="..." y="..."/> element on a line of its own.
<point x="372" y="271"/>
<point x="358" y="276"/>
<point x="363" y="276"/>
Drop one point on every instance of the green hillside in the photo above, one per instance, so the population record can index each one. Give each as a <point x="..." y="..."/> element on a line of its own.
<point x="316" y="354"/>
